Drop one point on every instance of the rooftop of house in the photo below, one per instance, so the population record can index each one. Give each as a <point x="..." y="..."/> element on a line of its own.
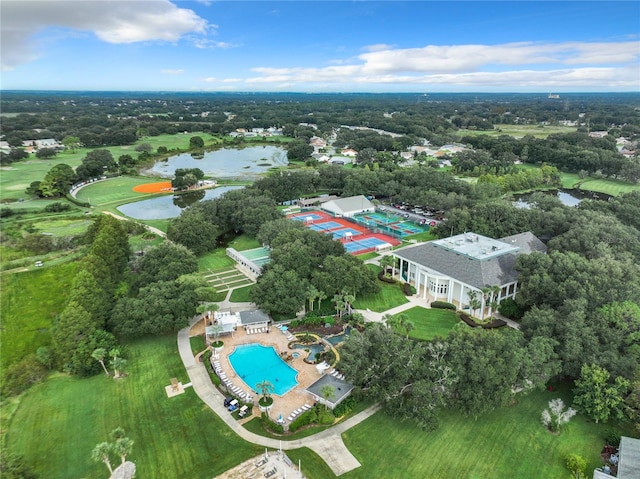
<point x="476" y="246"/>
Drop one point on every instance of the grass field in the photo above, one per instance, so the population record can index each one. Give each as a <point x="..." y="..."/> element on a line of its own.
<point x="431" y="323"/>
<point x="58" y="423"/>
<point x="241" y="295"/>
<point x="29" y="303"/>
<point x="605" y="185"/>
<point x="518" y="131"/>
<point x="507" y="443"/>
<point x="113" y="191"/>
<point x="390" y="296"/>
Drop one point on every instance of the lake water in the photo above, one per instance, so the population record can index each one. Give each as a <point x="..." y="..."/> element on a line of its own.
<point x="170" y="206"/>
<point x="568" y="197"/>
<point x="226" y="163"/>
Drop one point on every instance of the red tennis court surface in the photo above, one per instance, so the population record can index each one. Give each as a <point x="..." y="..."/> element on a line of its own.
<point x="356" y="238"/>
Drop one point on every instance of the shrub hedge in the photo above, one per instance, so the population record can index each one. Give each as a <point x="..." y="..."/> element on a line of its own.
<point x="270" y="425"/>
<point x="443" y="305"/>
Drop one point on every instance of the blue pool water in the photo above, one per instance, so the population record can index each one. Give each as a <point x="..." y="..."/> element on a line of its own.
<point x="255" y="363"/>
<point x="314" y="350"/>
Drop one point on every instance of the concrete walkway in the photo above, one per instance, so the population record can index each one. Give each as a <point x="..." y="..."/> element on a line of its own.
<point x="327" y="444"/>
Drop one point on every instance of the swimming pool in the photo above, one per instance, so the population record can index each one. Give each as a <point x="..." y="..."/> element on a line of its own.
<point x="255" y="363"/>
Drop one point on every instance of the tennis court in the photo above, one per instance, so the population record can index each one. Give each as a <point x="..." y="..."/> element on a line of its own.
<point x="307" y="216"/>
<point x="391" y="224"/>
<point x="364" y="244"/>
<point x="341" y="233"/>
<point x="326" y="226"/>
<point x="345" y="229"/>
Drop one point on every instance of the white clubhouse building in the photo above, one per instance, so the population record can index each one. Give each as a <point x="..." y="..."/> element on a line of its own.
<point x="449" y="269"/>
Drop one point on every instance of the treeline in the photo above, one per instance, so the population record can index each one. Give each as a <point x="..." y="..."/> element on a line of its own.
<point x="571" y="152"/>
<point x="114" y="297"/>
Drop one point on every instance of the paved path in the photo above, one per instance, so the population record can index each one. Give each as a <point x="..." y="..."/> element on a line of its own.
<point x="160" y="233"/>
<point x="327" y="444"/>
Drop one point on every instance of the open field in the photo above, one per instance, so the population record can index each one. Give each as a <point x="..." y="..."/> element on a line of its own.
<point x="29" y="303"/>
<point x="608" y="186"/>
<point x="59" y="422"/>
<point x="507" y="443"/>
<point x="113" y="191"/>
<point x="519" y="131"/>
<point x="432" y="322"/>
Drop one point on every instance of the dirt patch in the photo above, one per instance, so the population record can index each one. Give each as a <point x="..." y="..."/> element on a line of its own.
<point x="158" y="187"/>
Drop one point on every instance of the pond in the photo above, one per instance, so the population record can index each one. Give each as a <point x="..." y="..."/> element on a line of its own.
<point x="568" y="197"/>
<point x="170" y="206"/>
<point x="244" y="163"/>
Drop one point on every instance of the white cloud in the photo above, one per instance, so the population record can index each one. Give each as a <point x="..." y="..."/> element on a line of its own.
<point x="208" y="79"/>
<point x="208" y="43"/>
<point x="120" y="21"/>
<point x="378" y="47"/>
<point x="526" y="64"/>
<point x="169" y="71"/>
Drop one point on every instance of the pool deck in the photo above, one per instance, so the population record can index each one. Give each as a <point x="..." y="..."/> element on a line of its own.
<point x="307" y="373"/>
<point x="327" y="444"/>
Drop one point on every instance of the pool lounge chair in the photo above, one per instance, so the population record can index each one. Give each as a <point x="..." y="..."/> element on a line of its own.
<point x="290" y="418"/>
<point x="306" y="407"/>
<point x="298" y="411"/>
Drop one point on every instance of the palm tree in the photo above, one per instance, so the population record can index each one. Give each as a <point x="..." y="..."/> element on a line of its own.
<point x="408" y="326"/>
<point x="321" y="297"/>
<point x="101" y="453"/>
<point x="312" y="294"/>
<point x="388" y="261"/>
<point x="338" y="299"/>
<point x="493" y="304"/>
<point x="265" y="388"/>
<point x="348" y="298"/>
<point x="117" y="363"/>
<point x="99" y="355"/>
<point x="123" y="447"/>
<point x="474" y="302"/>
<point x="328" y="393"/>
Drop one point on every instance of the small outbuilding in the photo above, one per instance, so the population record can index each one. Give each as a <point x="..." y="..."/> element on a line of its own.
<point x="341" y="390"/>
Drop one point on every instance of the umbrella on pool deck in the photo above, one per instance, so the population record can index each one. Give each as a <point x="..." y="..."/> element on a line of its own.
<point x="280" y="419"/>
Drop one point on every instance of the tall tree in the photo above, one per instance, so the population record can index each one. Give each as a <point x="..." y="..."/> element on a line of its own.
<point x="58" y="180"/>
<point x="597" y="396"/>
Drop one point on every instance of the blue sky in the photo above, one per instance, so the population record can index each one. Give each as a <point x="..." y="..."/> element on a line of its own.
<point x="325" y="46"/>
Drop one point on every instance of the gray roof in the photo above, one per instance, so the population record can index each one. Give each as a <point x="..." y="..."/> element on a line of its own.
<point x="340" y="387"/>
<point x="253" y="317"/>
<point x="478" y="273"/>
<point x="348" y="205"/>
<point x="629" y="465"/>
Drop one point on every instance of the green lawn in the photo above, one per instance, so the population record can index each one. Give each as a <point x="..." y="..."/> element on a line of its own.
<point x="608" y="186"/>
<point x="114" y="191"/>
<point x="59" y="422"/>
<point x="218" y="259"/>
<point x="430" y="323"/>
<point x="507" y="443"/>
<point x="29" y="303"/>
<point x="241" y="295"/>
<point x="519" y="131"/>
<point x="390" y="296"/>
